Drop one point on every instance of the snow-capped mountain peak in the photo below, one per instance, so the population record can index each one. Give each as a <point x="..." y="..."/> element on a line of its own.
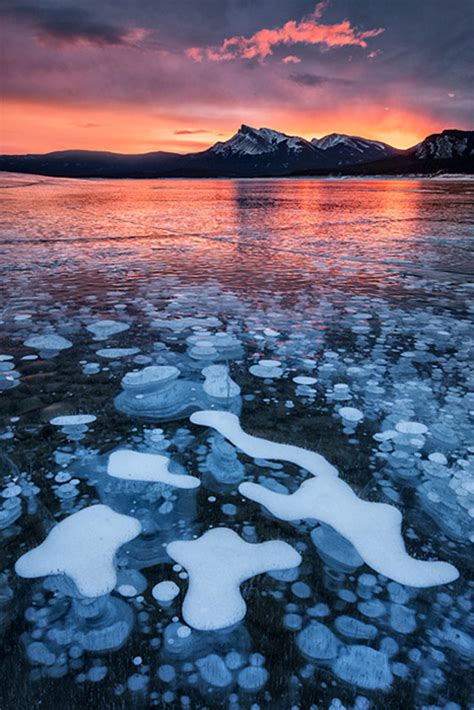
<point x="353" y="142"/>
<point x="256" y="141"/>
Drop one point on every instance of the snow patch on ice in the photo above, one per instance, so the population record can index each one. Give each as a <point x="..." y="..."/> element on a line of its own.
<point x="217" y="563"/>
<point x="138" y="466"/>
<point x="373" y="528"/>
<point x="83" y="547"/>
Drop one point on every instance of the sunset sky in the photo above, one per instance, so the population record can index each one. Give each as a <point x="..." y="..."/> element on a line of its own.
<point x="179" y="75"/>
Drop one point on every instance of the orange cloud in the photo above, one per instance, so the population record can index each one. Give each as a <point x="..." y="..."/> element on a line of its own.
<point x="290" y="59"/>
<point x="308" y="31"/>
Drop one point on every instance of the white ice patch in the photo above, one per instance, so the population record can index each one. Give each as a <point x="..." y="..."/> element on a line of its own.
<point x="373" y="528"/>
<point x="138" y="466"/>
<point x="83" y="547"/>
<point x="217" y="563"/>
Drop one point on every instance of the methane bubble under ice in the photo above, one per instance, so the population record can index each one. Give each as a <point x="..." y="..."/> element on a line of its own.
<point x="83" y="547"/>
<point x="373" y="528"/>
<point x="104" y="329"/>
<point x="217" y="563"/>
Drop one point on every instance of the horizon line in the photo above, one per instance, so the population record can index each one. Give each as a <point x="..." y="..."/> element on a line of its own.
<point x="203" y="150"/>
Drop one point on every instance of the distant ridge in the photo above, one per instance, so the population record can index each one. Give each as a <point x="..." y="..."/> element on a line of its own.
<point x="262" y="152"/>
<point x="451" y="151"/>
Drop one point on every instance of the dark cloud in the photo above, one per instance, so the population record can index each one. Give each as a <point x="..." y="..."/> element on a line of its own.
<point x="307" y="79"/>
<point x="67" y="25"/>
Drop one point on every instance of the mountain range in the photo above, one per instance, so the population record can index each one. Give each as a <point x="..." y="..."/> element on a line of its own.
<point x="263" y="152"/>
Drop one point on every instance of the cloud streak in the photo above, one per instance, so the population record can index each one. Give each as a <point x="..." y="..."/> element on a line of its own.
<point x="71" y="26"/>
<point x="307" y="31"/>
<point x="308" y="79"/>
<point x="190" y="131"/>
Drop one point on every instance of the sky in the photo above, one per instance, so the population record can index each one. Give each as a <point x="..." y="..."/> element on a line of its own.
<point x="136" y="76"/>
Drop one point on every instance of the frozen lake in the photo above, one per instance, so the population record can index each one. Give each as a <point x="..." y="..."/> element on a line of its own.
<point x="189" y="368"/>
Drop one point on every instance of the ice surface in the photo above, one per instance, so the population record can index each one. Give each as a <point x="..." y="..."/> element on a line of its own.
<point x="217" y="563"/>
<point x="373" y="528"/>
<point x="83" y="547"/>
<point x="138" y="466"/>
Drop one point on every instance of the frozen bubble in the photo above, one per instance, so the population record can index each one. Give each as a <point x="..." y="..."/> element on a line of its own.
<point x="438" y="457"/>
<point x="252" y="678"/>
<point x="351" y="414"/>
<point x="317" y="642"/>
<point x="302" y="380"/>
<point x="292" y="622"/>
<point x="104" y="329"/>
<point x="229" y="509"/>
<point x="213" y="671"/>
<point x="372" y="608"/>
<point x="166" y="673"/>
<point x="48" y="342"/>
<point x="352" y="628"/>
<point x="116" y="353"/>
<point x="97" y="673"/>
<point x="11" y="491"/>
<point x="301" y="590"/>
<point x="137" y="682"/>
<point x="364" y="667"/>
<point x="183" y="631"/>
<point x="149" y="376"/>
<point x="165" y="591"/>
<point x="406" y="427"/>
<point x="73" y="420"/>
<point x="218" y="382"/>
<point x="402" y="619"/>
<point x="335" y="550"/>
